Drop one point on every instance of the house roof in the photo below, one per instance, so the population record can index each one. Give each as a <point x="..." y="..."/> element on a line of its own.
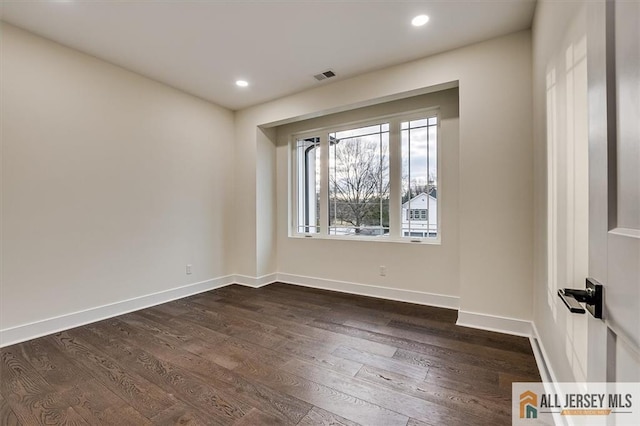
<point x="418" y="200"/>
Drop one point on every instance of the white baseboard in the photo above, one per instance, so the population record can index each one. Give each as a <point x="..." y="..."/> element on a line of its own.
<point x="499" y="324"/>
<point x="21" y="333"/>
<point x="546" y="370"/>
<point x="37" y="329"/>
<point x="418" y="297"/>
<point x="547" y="374"/>
<point x="255" y="282"/>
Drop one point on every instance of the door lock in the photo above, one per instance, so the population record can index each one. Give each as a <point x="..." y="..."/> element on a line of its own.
<point x="591" y="297"/>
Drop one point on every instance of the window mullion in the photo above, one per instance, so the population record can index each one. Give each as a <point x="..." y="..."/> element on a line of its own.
<point x="324" y="184"/>
<point x="395" y="179"/>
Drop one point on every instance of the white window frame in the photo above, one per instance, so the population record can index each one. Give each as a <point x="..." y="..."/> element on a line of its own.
<point x="323" y="223"/>
<point x="395" y="178"/>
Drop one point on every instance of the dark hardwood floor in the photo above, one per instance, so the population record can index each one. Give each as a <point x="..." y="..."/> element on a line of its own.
<point x="276" y="355"/>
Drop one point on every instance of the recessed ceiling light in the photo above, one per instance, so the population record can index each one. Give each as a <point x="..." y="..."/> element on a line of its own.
<point x="419" y="20"/>
<point x="242" y="83"/>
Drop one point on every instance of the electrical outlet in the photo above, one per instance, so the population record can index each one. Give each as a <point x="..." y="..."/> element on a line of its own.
<point x="188" y="269"/>
<point x="383" y="271"/>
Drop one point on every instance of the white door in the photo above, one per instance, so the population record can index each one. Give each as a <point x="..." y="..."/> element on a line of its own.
<point x="614" y="195"/>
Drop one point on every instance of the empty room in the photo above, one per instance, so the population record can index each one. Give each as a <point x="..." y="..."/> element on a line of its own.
<point x="304" y="212"/>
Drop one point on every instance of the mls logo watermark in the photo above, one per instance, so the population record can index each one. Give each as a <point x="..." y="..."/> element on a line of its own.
<point x="579" y="404"/>
<point x="528" y="405"/>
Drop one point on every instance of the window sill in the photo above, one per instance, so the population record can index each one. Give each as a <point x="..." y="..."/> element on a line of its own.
<point x="376" y="240"/>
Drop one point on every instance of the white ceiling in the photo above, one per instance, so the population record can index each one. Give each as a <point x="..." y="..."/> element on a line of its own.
<point x="203" y="46"/>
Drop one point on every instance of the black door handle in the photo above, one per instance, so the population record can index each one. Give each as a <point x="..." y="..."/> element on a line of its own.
<point x="566" y="294"/>
<point x="591" y="297"/>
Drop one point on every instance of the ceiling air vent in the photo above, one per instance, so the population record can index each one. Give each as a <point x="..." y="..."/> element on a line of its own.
<point x="324" y="75"/>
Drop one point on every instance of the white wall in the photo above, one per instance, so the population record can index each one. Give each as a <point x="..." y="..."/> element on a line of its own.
<point x="418" y="266"/>
<point x="494" y="182"/>
<point x="111" y="183"/>
<point x="266" y="193"/>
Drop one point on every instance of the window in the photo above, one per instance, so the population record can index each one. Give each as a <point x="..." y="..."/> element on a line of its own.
<point x="417" y="214"/>
<point x="420" y="176"/>
<point x="308" y="184"/>
<point x="377" y="180"/>
<point x="359" y="181"/>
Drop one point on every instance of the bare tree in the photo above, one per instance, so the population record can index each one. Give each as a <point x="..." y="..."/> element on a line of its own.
<point x="359" y="183"/>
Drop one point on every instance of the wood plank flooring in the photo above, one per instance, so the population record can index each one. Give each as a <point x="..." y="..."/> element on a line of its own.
<point x="278" y="355"/>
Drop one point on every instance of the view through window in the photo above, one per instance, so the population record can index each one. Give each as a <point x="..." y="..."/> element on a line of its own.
<point x="345" y="184"/>
<point x="359" y="181"/>
<point x="420" y="177"/>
